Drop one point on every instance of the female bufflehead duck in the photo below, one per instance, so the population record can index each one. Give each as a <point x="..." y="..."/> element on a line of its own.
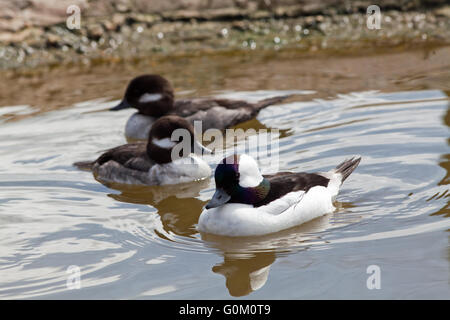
<point x="151" y="163"/>
<point x="153" y="97"/>
<point x="247" y="203"/>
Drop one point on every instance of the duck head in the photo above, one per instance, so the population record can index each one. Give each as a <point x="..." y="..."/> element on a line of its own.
<point x="151" y="94"/>
<point x="238" y="180"/>
<point x="172" y="137"/>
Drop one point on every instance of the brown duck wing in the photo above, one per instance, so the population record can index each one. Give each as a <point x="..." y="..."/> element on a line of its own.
<point x="124" y="153"/>
<point x="188" y="107"/>
<point x="220" y="113"/>
<point x="220" y="118"/>
<point x="284" y="182"/>
<point x="140" y="163"/>
<point x="255" y="107"/>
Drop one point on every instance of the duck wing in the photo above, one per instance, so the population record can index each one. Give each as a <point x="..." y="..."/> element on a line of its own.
<point x="140" y="163"/>
<point x="112" y="171"/>
<point x="221" y="113"/>
<point x="124" y="154"/>
<point x="283" y="183"/>
<point x="128" y="163"/>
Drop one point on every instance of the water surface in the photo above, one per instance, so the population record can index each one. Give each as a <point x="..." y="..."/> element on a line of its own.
<point x="141" y="243"/>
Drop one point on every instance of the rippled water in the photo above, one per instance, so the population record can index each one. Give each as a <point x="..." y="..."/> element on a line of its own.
<point x="142" y="243"/>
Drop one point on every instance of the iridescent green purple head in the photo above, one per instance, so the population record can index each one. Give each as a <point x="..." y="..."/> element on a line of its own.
<point x="238" y="180"/>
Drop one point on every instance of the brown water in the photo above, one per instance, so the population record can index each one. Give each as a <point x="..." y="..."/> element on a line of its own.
<point x="392" y="108"/>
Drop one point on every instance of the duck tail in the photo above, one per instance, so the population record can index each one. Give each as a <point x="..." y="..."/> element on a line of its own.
<point x="269" y="101"/>
<point x="84" y="165"/>
<point x="347" y="167"/>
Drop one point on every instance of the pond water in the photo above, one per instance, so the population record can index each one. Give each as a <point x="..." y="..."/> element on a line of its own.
<point x="391" y="108"/>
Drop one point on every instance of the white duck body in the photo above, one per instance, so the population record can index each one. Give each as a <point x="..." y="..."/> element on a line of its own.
<point x="182" y="170"/>
<point x="138" y="126"/>
<point x="248" y="204"/>
<point x="295" y="208"/>
<point x="187" y="169"/>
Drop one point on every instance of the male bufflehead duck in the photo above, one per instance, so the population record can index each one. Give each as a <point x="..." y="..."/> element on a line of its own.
<point x="247" y="203"/>
<point x="151" y="163"/>
<point x="153" y="97"/>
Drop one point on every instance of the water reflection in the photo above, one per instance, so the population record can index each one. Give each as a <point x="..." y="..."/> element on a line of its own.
<point x="444" y="163"/>
<point x="177" y="205"/>
<point x="245" y="273"/>
<point x="247" y="260"/>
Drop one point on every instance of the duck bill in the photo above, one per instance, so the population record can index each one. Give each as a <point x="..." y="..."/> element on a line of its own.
<point x="122" y="105"/>
<point x="219" y="198"/>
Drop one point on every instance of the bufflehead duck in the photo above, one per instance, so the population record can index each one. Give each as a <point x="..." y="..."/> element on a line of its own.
<point x="151" y="163"/>
<point x="153" y="97"/>
<point x="247" y="203"/>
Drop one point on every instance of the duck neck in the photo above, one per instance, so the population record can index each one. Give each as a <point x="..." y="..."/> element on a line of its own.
<point x="165" y="153"/>
<point x="158" y="154"/>
<point x="157" y="108"/>
<point x="251" y="195"/>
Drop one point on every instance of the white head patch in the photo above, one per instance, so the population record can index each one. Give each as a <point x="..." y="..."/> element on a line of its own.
<point x="149" y="97"/>
<point x="165" y="143"/>
<point x="249" y="174"/>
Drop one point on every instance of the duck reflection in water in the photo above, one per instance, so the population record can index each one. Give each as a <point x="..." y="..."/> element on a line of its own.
<point x="245" y="273"/>
<point x="247" y="260"/>
<point x="176" y="205"/>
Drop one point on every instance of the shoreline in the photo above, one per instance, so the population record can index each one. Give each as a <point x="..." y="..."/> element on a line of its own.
<point x="129" y="35"/>
<point x="323" y="75"/>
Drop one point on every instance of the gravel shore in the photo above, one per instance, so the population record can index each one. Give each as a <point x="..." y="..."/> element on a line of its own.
<point x="35" y="33"/>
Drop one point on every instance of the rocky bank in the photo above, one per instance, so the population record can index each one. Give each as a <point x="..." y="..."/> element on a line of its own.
<point x="35" y="32"/>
